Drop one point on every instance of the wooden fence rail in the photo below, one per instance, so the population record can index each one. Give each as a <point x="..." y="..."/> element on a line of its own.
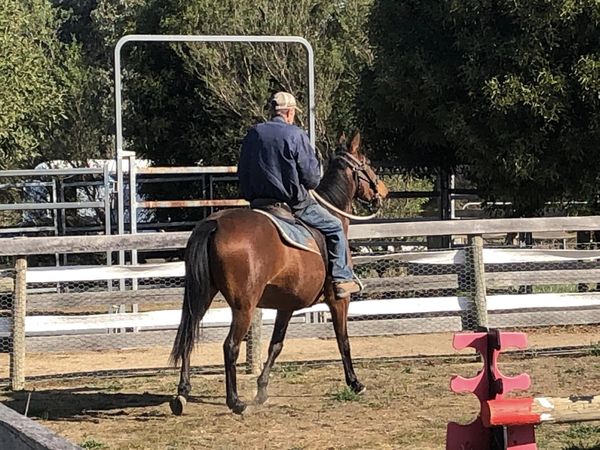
<point x="160" y="241"/>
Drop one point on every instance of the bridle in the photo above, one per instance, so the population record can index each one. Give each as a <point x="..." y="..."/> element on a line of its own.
<point x="359" y="172"/>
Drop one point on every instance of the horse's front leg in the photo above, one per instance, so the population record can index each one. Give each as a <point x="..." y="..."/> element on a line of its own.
<point x="339" y="317"/>
<point x="231" y="349"/>
<point x="281" y="323"/>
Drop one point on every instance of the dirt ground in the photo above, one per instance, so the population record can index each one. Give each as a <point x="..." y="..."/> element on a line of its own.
<point x="407" y="404"/>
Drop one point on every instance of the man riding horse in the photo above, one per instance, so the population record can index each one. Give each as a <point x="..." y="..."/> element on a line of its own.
<point x="239" y="252"/>
<point x="278" y="165"/>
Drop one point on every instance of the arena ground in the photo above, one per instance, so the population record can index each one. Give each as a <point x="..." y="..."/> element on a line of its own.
<point x="406" y="406"/>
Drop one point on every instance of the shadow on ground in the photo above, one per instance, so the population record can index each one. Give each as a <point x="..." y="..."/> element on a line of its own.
<point x="57" y="404"/>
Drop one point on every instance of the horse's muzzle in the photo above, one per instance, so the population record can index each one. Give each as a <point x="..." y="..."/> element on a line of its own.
<point x="376" y="203"/>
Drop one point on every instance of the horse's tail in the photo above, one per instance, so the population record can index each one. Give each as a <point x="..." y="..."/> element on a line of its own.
<point x="197" y="297"/>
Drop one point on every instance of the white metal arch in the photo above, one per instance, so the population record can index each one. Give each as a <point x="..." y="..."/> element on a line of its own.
<point x="195" y="38"/>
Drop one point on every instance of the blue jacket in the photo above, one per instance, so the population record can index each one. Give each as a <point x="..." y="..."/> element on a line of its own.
<point x="277" y="161"/>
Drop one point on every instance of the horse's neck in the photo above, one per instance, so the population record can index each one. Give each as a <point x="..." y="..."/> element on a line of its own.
<point x="337" y="188"/>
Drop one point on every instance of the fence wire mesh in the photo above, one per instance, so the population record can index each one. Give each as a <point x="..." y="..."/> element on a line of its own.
<point x="412" y="301"/>
<point x="7" y="285"/>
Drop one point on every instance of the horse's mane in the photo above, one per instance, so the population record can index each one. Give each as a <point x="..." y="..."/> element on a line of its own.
<point x="334" y="184"/>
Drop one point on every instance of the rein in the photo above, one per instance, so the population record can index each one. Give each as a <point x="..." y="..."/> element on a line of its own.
<point x="333" y="208"/>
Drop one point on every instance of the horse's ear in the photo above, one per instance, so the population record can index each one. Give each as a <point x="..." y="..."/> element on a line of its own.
<point x="342" y="139"/>
<point x="355" y="143"/>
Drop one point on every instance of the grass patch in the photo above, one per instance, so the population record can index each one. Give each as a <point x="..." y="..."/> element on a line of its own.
<point x="555" y="289"/>
<point x="583" y="437"/>
<point x="407" y="370"/>
<point x="289" y="372"/>
<point x="92" y="444"/>
<point x="344" y="395"/>
<point x="578" y="436"/>
<point x="581" y="430"/>
<point x="578" y="371"/>
<point x="114" y="387"/>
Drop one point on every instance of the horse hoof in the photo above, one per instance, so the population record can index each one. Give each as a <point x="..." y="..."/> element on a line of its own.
<point x="260" y="399"/>
<point x="261" y="395"/>
<point x="177" y="404"/>
<point x="238" y="408"/>
<point x="358" y="388"/>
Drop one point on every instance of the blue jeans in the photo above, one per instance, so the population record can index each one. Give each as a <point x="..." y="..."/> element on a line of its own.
<point x="318" y="217"/>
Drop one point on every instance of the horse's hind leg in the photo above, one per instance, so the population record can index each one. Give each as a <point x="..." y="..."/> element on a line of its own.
<point x="281" y="323"/>
<point x="184" y="387"/>
<point x="339" y="316"/>
<point x="231" y="349"/>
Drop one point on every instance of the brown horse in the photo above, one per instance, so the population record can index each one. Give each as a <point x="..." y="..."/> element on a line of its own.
<point x="240" y="253"/>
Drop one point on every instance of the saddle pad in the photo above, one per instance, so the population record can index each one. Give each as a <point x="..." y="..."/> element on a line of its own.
<point x="294" y="234"/>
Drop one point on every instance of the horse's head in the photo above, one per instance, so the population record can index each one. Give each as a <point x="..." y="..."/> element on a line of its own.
<point x="369" y="188"/>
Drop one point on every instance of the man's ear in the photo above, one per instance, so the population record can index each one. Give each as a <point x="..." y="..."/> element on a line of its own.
<point x="355" y="143"/>
<point x="291" y="115"/>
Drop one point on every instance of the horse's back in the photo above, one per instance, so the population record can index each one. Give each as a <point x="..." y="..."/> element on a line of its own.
<point x="242" y="228"/>
<point x="250" y="259"/>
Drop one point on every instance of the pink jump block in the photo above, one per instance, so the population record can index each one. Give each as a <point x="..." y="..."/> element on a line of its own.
<point x="476" y="436"/>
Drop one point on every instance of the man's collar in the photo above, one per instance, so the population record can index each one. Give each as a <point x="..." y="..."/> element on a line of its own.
<point x="278" y="119"/>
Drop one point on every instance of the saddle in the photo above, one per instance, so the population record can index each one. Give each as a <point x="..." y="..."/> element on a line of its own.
<point x="283" y="212"/>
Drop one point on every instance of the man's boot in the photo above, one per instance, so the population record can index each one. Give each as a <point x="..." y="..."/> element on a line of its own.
<point x="343" y="289"/>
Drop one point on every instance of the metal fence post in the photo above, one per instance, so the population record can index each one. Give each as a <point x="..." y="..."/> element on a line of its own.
<point x="17" y="354"/>
<point x="133" y="222"/>
<point x="254" y="344"/>
<point x="475" y="268"/>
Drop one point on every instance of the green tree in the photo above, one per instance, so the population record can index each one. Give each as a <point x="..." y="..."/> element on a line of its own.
<point x="190" y="103"/>
<point x="213" y="92"/>
<point x="193" y="102"/>
<point x="510" y="89"/>
<point x="32" y="95"/>
<point x="90" y="28"/>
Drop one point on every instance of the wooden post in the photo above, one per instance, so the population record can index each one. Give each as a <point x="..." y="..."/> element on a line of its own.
<point x="254" y="345"/>
<point x="17" y="354"/>
<point x="531" y="411"/>
<point x="584" y="242"/>
<point x="475" y="268"/>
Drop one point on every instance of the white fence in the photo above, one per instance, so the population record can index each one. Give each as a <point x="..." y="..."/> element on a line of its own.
<point x="414" y="292"/>
<point x="169" y="319"/>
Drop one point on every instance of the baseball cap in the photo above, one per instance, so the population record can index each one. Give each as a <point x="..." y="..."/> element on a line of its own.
<point x="283" y="100"/>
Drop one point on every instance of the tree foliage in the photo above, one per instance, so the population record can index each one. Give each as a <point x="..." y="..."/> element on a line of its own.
<point x="508" y="89"/>
<point x="93" y="27"/>
<point x="32" y="94"/>
<point x="185" y="103"/>
<point x="511" y="89"/>
<point x="213" y="92"/>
